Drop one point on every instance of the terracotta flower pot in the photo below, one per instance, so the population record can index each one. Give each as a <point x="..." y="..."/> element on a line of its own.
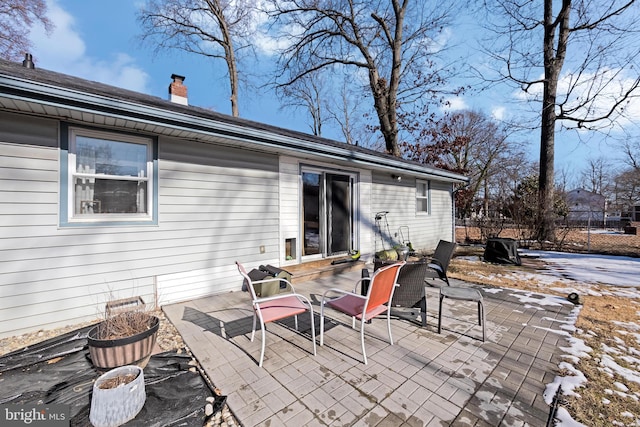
<point x="132" y="350"/>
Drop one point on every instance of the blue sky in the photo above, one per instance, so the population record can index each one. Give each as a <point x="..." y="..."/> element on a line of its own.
<point x="96" y="40"/>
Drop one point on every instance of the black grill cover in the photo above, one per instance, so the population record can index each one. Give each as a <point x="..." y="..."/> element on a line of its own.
<point x="502" y="251"/>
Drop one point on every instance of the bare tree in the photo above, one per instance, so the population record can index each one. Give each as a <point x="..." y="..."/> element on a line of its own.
<point x="595" y="176"/>
<point x="473" y="144"/>
<point x="632" y="153"/>
<point x="626" y="190"/>
<point x="346" y="110"/>
<point x="393" y="42"/>
<point x="307" y="93"/>
<point x="211" y="28"/>
<point x="16" y="19"/>
<point x="344" y="113"/>
<point x="532" y="43"/>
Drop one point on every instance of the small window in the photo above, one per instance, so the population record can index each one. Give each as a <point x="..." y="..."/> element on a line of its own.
<point x="110" y="177"/>
<point x="422" y="197"/>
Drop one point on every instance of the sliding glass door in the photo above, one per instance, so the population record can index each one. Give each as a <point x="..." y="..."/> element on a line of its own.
<point x="328" y="214"/>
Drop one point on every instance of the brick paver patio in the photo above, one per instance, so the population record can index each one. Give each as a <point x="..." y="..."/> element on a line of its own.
<point x="424" y="379"/>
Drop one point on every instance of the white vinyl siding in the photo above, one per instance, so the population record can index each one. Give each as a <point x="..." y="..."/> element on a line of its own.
<point x="399" y="199"/>
<point x="289" y="207"/>
<point x="217" y="205"/>
<point x="365" y="218"/>
<point x="51" y="278"/>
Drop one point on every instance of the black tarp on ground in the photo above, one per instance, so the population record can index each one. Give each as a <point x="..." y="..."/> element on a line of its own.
<point x="59" y="370"/>
<point x="502" y="251"/>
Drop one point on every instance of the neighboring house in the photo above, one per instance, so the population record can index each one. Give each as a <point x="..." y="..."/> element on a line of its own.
<point x="585" y="205"/>
<point x="108" y="193"/>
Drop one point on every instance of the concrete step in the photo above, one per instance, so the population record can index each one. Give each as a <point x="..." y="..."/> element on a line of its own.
<point x="320" y="269"/>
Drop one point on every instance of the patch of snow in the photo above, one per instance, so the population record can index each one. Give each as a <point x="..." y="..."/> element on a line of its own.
<point x="620" y="386"/>
<point x="610" y="366"/>
<point x="564" y="419"/>
<point x="594" y="268"/>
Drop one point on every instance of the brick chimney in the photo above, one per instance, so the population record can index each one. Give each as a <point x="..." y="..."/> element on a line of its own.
<point x="177" y="90"/>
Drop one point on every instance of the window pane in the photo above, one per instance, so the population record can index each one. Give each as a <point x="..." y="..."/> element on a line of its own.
<point x="101" y="156"/>
<point x="422" y="205"/>
<point x="96" y="196"/>
<point x="422" y="189"/>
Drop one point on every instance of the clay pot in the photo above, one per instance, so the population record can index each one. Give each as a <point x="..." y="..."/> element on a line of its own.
<point x="132" y="350"/>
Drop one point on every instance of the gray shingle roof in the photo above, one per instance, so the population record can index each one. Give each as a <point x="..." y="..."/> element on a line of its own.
<point x="91" y="88"/>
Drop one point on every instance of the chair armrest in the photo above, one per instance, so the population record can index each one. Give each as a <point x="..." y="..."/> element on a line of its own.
<point x="275" y="279"/>
<point x="282" y="296"/>
<point x="340" y="291"/>
<point x="359" y="282"/>
<point x="436" y="266"/>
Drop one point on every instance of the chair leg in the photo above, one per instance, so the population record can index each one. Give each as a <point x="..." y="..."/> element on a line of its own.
<point x="321" y="326"/>
<point x="295" y="320"/>
<point x="253" y="328"/>
<point x="440" y="314"/>
<point x="364" y="353"/>
<point x="423" y="308"/>
<point x="389" y="324"/>
<point x="483" y="319"/>
<point x="263" y="343"/>
<point x="313" y="331"/>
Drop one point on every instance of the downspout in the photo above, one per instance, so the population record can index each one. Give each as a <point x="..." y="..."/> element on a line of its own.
<point x="453" y="212"/>
<point x="453" y="207"/>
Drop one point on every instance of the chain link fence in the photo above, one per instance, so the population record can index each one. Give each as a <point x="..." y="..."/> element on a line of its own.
<point x="620" y="237"/>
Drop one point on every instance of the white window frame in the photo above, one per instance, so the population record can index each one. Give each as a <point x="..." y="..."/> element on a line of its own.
<point x="419" y="196"/>
<point x="109" y="218"/>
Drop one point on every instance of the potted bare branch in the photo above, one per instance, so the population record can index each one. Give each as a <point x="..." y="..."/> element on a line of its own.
<point x="126" y="338"/>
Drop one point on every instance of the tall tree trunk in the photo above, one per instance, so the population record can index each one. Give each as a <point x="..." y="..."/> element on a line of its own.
<point x="386" y="113"/>
<point x="554" y="56"/>
<point x="546" y="220"/>
<point x="233" y="81"/>
<point x="230" y="58"/>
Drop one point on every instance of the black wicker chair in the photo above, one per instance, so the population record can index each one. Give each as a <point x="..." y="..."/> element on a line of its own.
<point x="439" y="263"/>
<point x="410" y="294"/>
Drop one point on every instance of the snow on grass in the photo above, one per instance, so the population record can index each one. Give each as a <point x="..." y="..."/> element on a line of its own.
<point x="585" y="274"/>
<point x="611" y="367"/>
<point x="593" y="268"/>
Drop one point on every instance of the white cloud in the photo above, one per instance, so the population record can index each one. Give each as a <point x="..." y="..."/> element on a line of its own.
<point x="62" y="46"/>
<point x="455" y="104"/>
<point x="440" y="41"/>
<point x="64" y="51"/>
<point x="498" y="113"/>
<point x="263" y="39"/>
